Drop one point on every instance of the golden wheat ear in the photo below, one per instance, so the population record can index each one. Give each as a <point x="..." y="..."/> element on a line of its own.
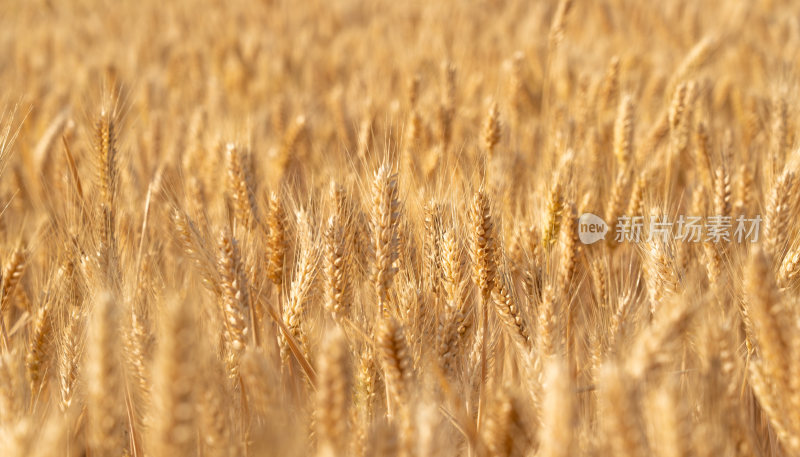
<point x="234" y="300"/>
<point x="174" y="392"/>
<point x="780" y="207"/>
<point x="301" y="290"/>
<point x="623" y="133"/>
<point x="338" y="282"/>
<point x="398" y="373"/>
<point x="69" y="356"/>
<point x="241" y="187"/>
<point x="37" y="359"/>
<point x="105" y="387"/>
<point x="491" y="131"/>
<point x="558" y="411"/>
<point x="385" y="220"/>
<point x="333" y="395"/>
<point x="276" y="241"/>
<point x="621" y="423"/>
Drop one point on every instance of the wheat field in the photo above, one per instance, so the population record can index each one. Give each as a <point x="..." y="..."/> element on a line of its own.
<point x="381" y="228"/>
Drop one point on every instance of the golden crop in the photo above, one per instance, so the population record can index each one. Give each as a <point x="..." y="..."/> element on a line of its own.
<point x="343" y="228"/>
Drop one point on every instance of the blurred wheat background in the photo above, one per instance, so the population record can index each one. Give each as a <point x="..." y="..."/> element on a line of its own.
<point x="341" y="228"/>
